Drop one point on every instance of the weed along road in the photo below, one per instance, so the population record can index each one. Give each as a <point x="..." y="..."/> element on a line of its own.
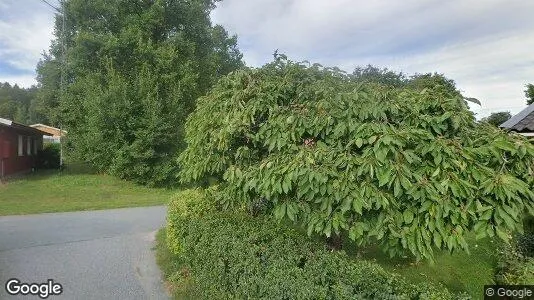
<point x="105" y="254"/>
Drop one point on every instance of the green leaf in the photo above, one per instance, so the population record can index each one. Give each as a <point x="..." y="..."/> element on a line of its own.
<point x="512" y="212"/>
<point x="425" y="206"/>
<point x="509" y="222"/>
<point x="357" y="206"/>
<point x="328" y="229"/>
<point x="310" y="228"/>
<point x="437" y="240"/>
<point x="346" y="204"/>
<point x="504" y="145"/>
<point x="437" y="158"/>
<point x="397" y="188"/>
<point x="502" y="234"/>
<point x="408" y="216"/>
<point x="383" y="177"/>
<point x="280" y="211"/>
<point x="487" y="215"/>
<point x="292" y="211"/>
<point x="352" y="233"/>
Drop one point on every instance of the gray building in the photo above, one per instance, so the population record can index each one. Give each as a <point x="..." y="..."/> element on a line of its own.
<point x="522" y="123"/>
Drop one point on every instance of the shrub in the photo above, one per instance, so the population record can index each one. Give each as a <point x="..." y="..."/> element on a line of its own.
<point x="49" y="157"/>
<point x="514" y="267"/>
<point x="407" y="167"/>
<point x="232" y="255"/>
<point x="525" y="244"/>
<point x="184" y="205"/>
<point x="516" y="260"/>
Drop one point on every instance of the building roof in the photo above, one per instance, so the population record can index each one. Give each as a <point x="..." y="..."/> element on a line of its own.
<point x="522" y="122"/>
<point x="48" y="127"/>
<point x="19" y="126"/>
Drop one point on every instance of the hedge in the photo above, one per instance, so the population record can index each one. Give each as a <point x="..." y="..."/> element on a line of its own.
<point x="233" y="255"/>
<point x="49" y="157"/>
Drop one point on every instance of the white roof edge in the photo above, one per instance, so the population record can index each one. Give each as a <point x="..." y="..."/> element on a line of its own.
<point x="6" y="121"/>
<point x="43" y="125"/>
<point x="39" y="124"/>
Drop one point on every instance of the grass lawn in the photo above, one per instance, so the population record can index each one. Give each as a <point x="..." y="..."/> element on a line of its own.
<point x="170" y="265"/>
<point x="75" y="188"/>
<point x="459" y="272"/>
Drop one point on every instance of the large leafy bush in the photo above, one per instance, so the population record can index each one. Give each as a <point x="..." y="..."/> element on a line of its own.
<point x="231" y="255"/>
<point x="407" y="167"/>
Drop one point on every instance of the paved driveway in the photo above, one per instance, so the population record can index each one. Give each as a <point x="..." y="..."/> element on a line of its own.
<point x="104" y="254"/>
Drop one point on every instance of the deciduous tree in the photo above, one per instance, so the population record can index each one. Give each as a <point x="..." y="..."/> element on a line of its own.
<point x="133" y="71"/>
<point x="497" y="118"/>
<point x="529" y="93"/>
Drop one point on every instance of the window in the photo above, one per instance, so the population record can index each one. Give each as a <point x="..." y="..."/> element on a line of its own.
<point x="21" y="144"/>
<point x="29" y="145"/>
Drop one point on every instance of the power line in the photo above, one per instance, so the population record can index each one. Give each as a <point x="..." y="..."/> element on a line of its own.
<point x="52" y="6"/>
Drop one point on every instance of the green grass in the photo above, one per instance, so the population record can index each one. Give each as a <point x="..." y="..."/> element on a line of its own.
<point x="172" y="268"/>
<point x="459" y="272"/>
<point x="75" y="188"/>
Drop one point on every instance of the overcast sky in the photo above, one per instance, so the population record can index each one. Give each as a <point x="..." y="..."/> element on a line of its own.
<point x="486" y="46"/>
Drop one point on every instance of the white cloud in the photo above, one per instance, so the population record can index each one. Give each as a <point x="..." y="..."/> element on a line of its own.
<point x="26" y="29"/>
<point x="21" y="81"/>
<point x="493" y="70"/>
<point x="485" y="46"/>
<point x="25" y="40"/>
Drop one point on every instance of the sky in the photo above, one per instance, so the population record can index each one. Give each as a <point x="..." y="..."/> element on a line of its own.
<point x="486" y="46"/>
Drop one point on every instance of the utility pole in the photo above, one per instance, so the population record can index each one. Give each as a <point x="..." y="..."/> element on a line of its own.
<point x="63" y="44"/>
<point x="62" y="81"/>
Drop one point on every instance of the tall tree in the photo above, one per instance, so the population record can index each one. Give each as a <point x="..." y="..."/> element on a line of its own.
<point x="529" y="93"/>
<point x="497" y="118"/>
<point x="15" y="103"/>
<point x="46" y="103"/>
<point x="134" y="70"/>
<point x="385" y="77"/>
<point x="375" y="74"/>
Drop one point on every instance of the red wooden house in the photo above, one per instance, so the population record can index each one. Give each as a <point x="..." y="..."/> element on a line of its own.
<point x="19" y="145"/>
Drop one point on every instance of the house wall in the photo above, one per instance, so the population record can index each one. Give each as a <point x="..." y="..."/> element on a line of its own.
<point x="10" y="161"/>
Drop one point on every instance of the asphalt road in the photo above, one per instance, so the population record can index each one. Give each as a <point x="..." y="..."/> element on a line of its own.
<point x="106" y="254"/>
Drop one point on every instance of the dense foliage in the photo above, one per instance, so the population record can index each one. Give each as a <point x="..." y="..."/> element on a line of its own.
<point x="418" y="81"/>
<point x="49" y="157"/>
<point x="383" y="76"/>
<point x="516" y="260"/>
<point x="529" y="93"/>
<point x="497" y="118"/>
<point x="231" y="255"/>
<point x="133" y="71"/>
<point x="407" y="167"/>
<point x="19" y="104"/>
<point x="516" y="265"/>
